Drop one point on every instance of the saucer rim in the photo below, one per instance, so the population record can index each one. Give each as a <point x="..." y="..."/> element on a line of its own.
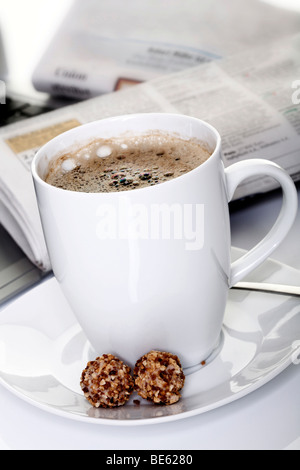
<point x="234" y="396"/>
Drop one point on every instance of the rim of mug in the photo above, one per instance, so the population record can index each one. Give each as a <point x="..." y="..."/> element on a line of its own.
<point x="40" y="153"/>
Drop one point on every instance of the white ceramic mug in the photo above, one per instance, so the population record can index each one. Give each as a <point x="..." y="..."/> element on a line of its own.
<point x="134" y="290"/>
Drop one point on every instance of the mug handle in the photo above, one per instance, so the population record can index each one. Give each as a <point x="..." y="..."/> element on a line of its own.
<point x="235" y="174"/>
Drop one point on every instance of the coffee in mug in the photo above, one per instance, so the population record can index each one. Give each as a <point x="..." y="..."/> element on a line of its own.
<point x="127" y="162"/>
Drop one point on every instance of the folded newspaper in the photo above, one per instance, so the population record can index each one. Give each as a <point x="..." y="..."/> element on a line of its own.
<point x="103" y="46"/>
<point x="252" y="98"/>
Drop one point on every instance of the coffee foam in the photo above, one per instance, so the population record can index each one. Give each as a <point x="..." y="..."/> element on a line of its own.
<point x="104" y="151"/>
<point x="126" y="162"/>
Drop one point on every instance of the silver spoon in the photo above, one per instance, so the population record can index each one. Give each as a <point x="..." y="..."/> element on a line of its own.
<point x="269" y="288"/>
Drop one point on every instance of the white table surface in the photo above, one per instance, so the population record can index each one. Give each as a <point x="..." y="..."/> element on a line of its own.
<point x="266" y="419"/>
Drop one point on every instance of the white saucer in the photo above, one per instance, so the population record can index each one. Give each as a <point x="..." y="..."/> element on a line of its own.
<point x="43" y="351"/>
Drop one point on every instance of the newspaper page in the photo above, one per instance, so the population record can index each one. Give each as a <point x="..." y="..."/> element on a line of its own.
<point x="250" y="98"/>
<point x="97" y="51"/>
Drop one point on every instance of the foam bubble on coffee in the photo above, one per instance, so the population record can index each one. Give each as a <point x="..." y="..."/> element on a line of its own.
<point x="68" y="165"/>
<point x="104" y="151"/>
<point x="124" y="163"/>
